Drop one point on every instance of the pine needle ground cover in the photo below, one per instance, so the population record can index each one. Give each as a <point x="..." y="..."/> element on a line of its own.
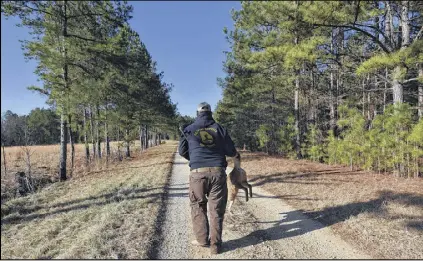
<point x="380" y="214"/>
<point x="106" y="214"/>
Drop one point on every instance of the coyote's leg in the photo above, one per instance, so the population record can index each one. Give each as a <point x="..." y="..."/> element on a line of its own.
<point x="246" y="185"/>
<point x="240" y="186"/>
<point x="232" y="195"/>
<point x="251" y="190"/>
<point x="246" y="193"/>
<point x="230" y="205"/>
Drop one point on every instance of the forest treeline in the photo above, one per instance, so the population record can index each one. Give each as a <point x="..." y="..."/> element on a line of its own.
<point x="97" y="75"/>
<point x="42" y="127"/>
<point x="333" y="81"/>
<point x="39" y="127"/>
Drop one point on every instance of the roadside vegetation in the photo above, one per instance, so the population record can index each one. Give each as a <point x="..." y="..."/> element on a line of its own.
<point x="379" y="214"/>
<point x="339" y="82"/>
<point x="105" y="214"/>
<point x="96" y="74"/>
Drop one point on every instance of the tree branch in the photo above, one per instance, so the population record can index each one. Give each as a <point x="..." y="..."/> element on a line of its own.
<point x="410" y="80"/>
<point x="378" y="30"/>
<point x="357" y="8"/>
<point x="35" y="9"/>
<point x="419" y="34"/>
<point x="383" y="77"/>
<point x="75" y="16"/>
<point x="83" y="38"/>
<point x="385" y="49"/>
<point x="379" y="89"/>
<point x="81" y="67"/>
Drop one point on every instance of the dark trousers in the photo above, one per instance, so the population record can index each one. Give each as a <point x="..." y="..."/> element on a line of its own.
<point x="208" y="187"/>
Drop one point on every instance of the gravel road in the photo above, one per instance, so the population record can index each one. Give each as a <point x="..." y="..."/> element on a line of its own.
<point x="265" y="227"/>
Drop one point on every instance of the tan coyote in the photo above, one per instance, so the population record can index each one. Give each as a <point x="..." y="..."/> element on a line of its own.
<point x="237" y="179"/>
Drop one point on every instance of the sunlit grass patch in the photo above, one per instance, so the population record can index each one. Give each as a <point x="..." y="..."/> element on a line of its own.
<point x="109" y="214"/>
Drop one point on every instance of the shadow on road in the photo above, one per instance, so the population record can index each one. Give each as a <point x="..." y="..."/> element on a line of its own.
<point x="298" y="222"/>
<point x="294" y="177"/>
<point x="291" y="224"/>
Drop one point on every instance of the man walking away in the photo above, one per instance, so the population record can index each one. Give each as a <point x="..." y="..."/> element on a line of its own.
<point x="206" y="144"/>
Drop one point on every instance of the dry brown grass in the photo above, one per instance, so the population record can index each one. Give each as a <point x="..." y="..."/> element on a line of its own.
<point x="45" y="163"/>
<point x="106" y="214"/>
<point x="380" y="214"/>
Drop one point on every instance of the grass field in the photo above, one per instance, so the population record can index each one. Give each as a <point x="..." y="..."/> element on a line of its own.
<point x="45" y="163"/>
<point x="104" y="214"/>
<point x="380" y="214"/>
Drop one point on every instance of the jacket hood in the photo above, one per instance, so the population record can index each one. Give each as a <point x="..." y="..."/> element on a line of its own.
<point x="204" y="119"/>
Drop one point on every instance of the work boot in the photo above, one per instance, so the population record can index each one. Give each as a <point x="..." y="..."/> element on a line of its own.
<point x="215" y="249"/>
<point x="196" y="243"/>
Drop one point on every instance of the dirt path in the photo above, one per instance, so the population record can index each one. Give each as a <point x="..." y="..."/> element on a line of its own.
<point x="263" y="228"/>
<point x="176" y="226"/>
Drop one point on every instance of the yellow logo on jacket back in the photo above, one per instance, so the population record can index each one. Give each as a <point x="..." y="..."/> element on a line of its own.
<point x="207" y="139"/>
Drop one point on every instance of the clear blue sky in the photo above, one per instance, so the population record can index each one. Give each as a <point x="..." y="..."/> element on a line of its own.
<point x="185" y="39"/>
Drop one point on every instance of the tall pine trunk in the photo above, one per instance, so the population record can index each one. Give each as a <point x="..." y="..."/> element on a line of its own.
<point x="297" y="118"/>
<point x="143" y="136"/>
<point x="397" y="87"/>
<point x="389" y="23"/>
<point x="398" y="92"/>
<point x="118" y="145"/>
<point x="296" y="96"/>
<point x="107" y="138"/>
<point x="97" y="122"/>
<point x="63" y="127"/>
<point x="363" y="97"/>
<point x="339" y="49"/>
<point x="72" y="142"/>
<point x="377" y="34"/>
<point x="375" y="111"/>
<point x="63" y="148"/>
<point x="160" y="137"/>
<point x="87" y="146"/>
<point x="92" y="131"/>
<point x="405" y="24"/>
<point x="128" y="154"/>
<point x="141" y="142"/>
<point x="146" y="137"/>
<point x="4" y="159"/>
<point x="369" y="109"/>
<point x="385" y="91"/>
<point x="314" y="102"/>
<point x="369" y="114"/>
<point x="153" y="137"/>
<point x="272" y="144"/>
<point x="106" y="134"/>
<point x="332" y="120"/>
<point x="420" y="92"/>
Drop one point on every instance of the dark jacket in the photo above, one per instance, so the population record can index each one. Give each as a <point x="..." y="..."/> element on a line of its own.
<point x="205" y="143"/>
